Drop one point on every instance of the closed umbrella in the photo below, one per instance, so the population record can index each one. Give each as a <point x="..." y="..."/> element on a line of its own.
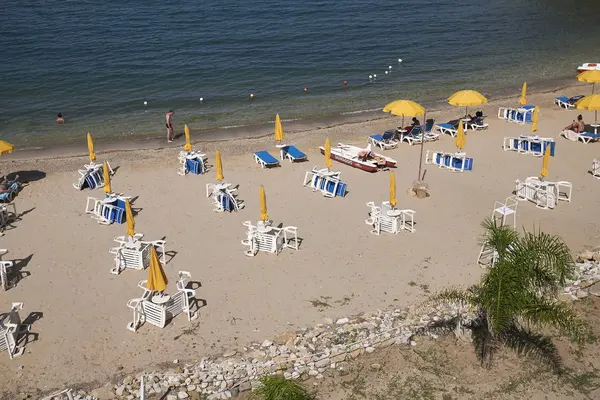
<point x="523" y="99"/>
<point x="534" y="119"/>
<point x="5" y="148"/>
<point x="107" y="188"/>
<point x="460" y="140"/>
<point x="591" y="102"/>
<point x="393" y="200"/>
<point x="328" y="162"/>
<point x="90" y="142"/>
<point x="188" y="143"/>
<point x="467" y="98"/>
<point x="157" y="280"/>
<point x="129" y="218"/>
<point x="545" y="162"/>
<point x="404" y="108"/>
<point x="220" y="176"/>
<point x="278" y="129"/>
<point x="263" y="205"/>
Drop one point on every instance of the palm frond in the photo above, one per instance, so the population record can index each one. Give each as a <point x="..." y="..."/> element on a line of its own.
<point x="497" y="236"/>
<point x="558" y="315"/>
<point x="276" y="387"/>
<point x="532" y="344"/>
<point x="468" y="296"/>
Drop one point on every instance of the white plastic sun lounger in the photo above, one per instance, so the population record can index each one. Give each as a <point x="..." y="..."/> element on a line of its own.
<point x="11" y="329"/>
<point x="596" y="168"/>
<point x="4" y="266"/>
<point x="271" y="240"/>
<point x="192" y="162"/>
<point x="135" y="253"/>
<point x="380" y="219"/>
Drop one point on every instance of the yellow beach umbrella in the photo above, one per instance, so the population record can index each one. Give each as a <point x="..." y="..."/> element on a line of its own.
<point x="220" y="176"/>
<point x="460" y="140"/>
<point x="107" y="188"/>
<point x="188" y="143"/>
<point x="545" y="162"/>
<point x="393" y="200"/>
<point x="523" y="99"/>
<point x="591" y="102"/>
<point x="404" y="108"/>
<point x="5" y="148"/>
<point x="534" y="119"/>
<point x="467" y="98"/>
<point x="129" y="218"/>
<point x="263" y="205"/>
<point x="328" y="162"/>
<point x="592" y="77"/>
<point x="91" y="147"/>
<point x="157" y="280"/>
<point x="278" y="129"/>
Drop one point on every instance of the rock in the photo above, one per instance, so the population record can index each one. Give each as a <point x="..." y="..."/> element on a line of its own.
<point x="175" y="361"/>
<point x="355" y="353"/>
<point x="342" y="321"/>
<point x="582" y="294"/>
<point x="171" y="397"/>
<point x="229" y="353"/>
<point x="191" y="388"/>
<point x="585" y="255"/>
<point x="285" y="338"/>
<point x="375" y="367"/>
<point x="119" y="391"/>
<point x="322" y="363"/>
<point x="370" y="349"/>
<point x="266" y="343"/>
<point x="245" y="386"/>
<point x="182" y="395"/>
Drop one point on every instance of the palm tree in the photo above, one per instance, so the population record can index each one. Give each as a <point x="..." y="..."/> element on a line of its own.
<point x="276" y="387"/>
<point x="519" y="294"/>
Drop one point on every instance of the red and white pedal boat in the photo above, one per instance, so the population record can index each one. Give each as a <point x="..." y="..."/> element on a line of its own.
<point x="357" y="157"/>
<point x="589" y="67"/>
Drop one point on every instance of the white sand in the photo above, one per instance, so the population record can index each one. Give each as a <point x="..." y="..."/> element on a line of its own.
<point x="82" y="334"/>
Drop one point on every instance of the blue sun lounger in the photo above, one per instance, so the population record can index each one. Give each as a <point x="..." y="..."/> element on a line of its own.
<point x="7" y="196"/>
<point x="586" y="137"/>
<point x="384" y="141"/>
<point x="194" y="166"/>
<point x="567" y="102"/>
<point x="453" y="162"/>
<point x="265" y="159"/>
<point x="292" y="153"/>
<point x="326" y="182"/>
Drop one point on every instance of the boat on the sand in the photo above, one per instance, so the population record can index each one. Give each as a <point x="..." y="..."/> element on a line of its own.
<point x="360" y="158"/>
<point x="589" y="67"/>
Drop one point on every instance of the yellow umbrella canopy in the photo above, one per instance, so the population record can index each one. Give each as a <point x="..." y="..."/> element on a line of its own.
<point x="263" y="205"/>
<point x="219" y="164"/>
<point x="534" y="119"/>
<point x="404" y="108"/>
<point x="107" y="188"/>
<point x="591" y="102"/>
<point x="545" y="162"/>
<point x="188" y="143"/>
<point x="592" y="77"/>
<point x="157" y="280"/>
<point x="90" y="142"/>
<point x="129" y="218"/>
<point x="5" y="148"/>
<point x="460" y="140"/>
<point x="328" y="162"/>
<point x="523" y="99"/>
<point x="467" y="98"/>
<point x="278" y="129"/>
<point x="393" y="200"/>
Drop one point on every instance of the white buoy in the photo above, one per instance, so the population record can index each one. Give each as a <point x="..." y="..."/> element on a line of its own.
<point x="201" y="98"/>
<point x="390" y="67"/>
<point x="399" y="60"/>
<point x="145" y="103"/>
<point x="386" y="72"/>
<point x="370" y="76"/>
<point x="374" y="75"/>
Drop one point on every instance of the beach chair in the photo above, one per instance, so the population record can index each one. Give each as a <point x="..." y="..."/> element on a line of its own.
<point x="477" y="124"/>
<point x="7" y="215"/>
<point x="535" y="191"/>
<point x="595" y="168"/>
<point x="567" y="102"/>
<point x="134" y="253"/>
<point x="265" y="159"/>
<point x="458" y="162"/>
<point x="448" y="128"/>
<point x="531" y="145"/>
<point x="269" y="239"/>
<point x="326" y="182"/>
<point x="386" y="219"/>
<point x="586" y="137"/>
<point x="92" y="177"/>
<point x="11" y="329"/>
<point x="192" y="162"/>
<point x="4" y="266"/>
<point x="108" y="210"/>
<point x="158" y="310"/>
<point x="385" y="141"/>
<point x="224" y="197"/>
<point x="292" y="153"/>
<point x="10" y="193"/>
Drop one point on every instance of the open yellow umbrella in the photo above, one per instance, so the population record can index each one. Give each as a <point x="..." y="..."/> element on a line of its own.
<point x="220" y="176"/>
<point x="591" y="102"/>
<point x="328" y="162"/>
<point x="107" y="188"/>
<point x="592" y="77"/>
<point x="545" y="162"/>
<point x="534" y="119"/>
<point x="263" y="204"/>
<point x="523" y="99"/>
<point x="5" y="148"/>
<point x="129" y="218"/>
<point x="91" y="147"/>
<point x="188" y="143"/>
<point x="278" y="129"/>
<point x="460" y="140"/>
<point x="157" y="280"/>
<point x="404" y="108"/>
<point x="393" y="200"/>
<point x="466" y="98"/>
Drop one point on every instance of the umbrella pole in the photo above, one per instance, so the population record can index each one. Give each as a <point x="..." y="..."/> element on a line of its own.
<point x="422" y="144"/>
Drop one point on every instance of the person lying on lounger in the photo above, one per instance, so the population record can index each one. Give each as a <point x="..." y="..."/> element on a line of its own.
<point x="6" y="184"/>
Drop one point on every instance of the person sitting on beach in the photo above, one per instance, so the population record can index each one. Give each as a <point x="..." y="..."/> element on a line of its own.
<point x="476" y="119"/>
<point x="60" y="119"/>
<point x="415" y="122"/>
<point x="577" y="126"/>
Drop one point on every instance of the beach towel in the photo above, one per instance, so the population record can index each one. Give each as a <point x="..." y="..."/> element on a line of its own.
<point x="569" y="134"/>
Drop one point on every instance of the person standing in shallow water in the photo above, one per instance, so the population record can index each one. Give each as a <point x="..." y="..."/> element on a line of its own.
<point x="169" y="124"/>
<point x="60" y="119"/>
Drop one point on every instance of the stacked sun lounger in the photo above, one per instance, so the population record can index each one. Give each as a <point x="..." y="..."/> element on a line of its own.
<point x="134" y="253"/>
<point x="224" y="197"/>
<point x="108" y="210"/>
<point x="567" y="102"/>
<point x="192" y="162"/>
<point x="544" y="194"/>
<point x="385" y="219"/>
<point x="455" y="162"/>
<point x="11" y="328"/>
<point x="147" y="309"/>
<point x="327" y="182"/>
<point x="269" y="239"/>
<point x="4" y="266"/>
<point x="92" y="176"/>
<point x="520" y="115"/>
<point x="530" y="145"/>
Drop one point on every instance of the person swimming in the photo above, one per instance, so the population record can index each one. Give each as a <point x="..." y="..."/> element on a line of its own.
<point x="60" y="119"/>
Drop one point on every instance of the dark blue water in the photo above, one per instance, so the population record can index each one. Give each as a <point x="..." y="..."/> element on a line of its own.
<point x="98" y="61"/>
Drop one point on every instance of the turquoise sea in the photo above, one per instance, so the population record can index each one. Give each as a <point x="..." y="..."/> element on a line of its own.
<point x="98" y="61"/>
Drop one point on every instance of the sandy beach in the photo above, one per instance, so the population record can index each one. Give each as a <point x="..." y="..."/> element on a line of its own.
<point x="80" y="308"/>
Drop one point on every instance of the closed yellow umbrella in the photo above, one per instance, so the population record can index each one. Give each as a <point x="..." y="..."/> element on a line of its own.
<point x="91" y="147"/>
<point x="460" y="140"/>
<point x="129" y="218"/>
<point x="328" y="162"/>
<point x="534" y="119"/>
<point x="592" y="77"/>
<point x="157" y="280"/>
<point x="393" y="200"/>
<point x="591" y="102"/>
<point x="220" y="176"/>
<point x="188" y="143"/>
<point x="107" y="188"/>
<point x="263" y="205"/>
<point x="467" y="98"/>
<point x="523" y="99"/>
<point x="545" y="162"/>
<point x="278" y="129"/>
<point x="5" y="148"/>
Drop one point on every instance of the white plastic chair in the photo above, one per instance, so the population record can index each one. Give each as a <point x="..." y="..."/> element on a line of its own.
<point x="505" y="210"/>
<point x="11" y="329"/>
